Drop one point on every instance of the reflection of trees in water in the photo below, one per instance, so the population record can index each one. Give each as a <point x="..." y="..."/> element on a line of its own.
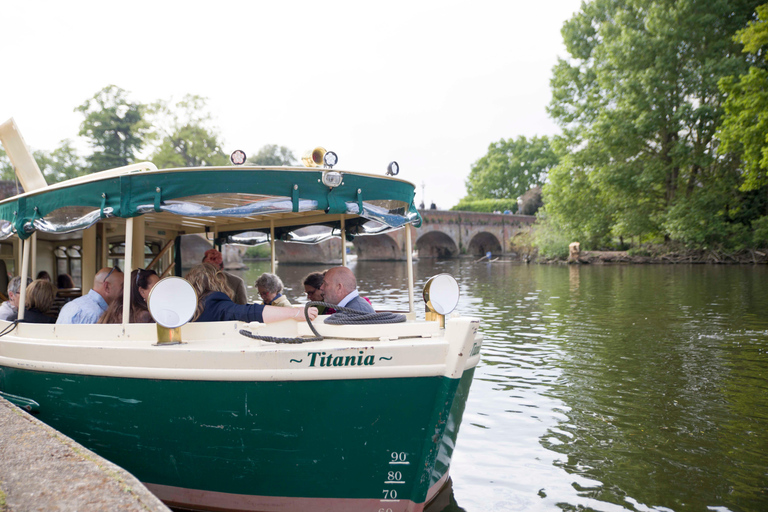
<point x="654" y="384"/>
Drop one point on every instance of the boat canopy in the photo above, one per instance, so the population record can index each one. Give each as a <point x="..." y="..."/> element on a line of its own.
<point x="240" y="203"/>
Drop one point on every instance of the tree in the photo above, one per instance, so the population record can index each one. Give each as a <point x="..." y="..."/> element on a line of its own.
<point x="6" y="169"/>
<point x="186" y="135"/>
<point x="639" y="105"/>
<point x="510" y="168"/>
<point x="63" y="163"/>
<point x="272" y="154"/>
<point x="115" y="128"/>
<point x="745" y="124"/>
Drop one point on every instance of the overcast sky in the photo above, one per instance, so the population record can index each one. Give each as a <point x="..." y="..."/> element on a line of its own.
<point x="429" y="84"/>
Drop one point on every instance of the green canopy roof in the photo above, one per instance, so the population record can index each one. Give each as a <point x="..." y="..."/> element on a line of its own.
<point x="250" y="195"/>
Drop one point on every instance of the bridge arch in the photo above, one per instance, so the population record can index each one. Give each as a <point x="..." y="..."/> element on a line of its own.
<point x="483" y="242"/>
<point x="377" y="247"/>
<point x="436" y="244"/>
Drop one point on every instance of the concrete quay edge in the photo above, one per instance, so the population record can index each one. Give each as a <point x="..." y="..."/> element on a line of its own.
<point x="42" y="469"/>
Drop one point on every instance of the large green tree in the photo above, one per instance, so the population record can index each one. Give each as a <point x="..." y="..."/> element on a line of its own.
<point x="272" y="154"/>
<point x="639" y="104"/>
<point x="745" y="126"/>
<point x="510" y="168"/>
<point x="115" y="128"/>
<point x="184" y="134"/>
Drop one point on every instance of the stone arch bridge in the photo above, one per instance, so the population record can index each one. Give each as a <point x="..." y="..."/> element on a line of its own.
<point x="449" y="234"/>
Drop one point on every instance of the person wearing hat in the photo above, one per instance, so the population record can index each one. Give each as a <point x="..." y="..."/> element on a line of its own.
<point x="213" y="257"/>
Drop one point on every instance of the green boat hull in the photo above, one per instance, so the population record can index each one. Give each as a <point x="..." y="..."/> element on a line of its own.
<point x="386" y="442"/>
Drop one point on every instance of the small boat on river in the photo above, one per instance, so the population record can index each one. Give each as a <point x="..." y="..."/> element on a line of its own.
<point x="363" y="419"/>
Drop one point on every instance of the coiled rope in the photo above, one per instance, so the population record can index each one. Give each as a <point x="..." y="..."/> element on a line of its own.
<point x="341" y="317"/>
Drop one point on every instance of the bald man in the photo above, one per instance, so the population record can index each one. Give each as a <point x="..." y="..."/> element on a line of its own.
<point x="340" y="287"/>
<point x="107" y="286"/>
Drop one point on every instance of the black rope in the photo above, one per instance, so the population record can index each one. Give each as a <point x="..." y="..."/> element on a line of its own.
<point x="342" y="316"/>
<point x="345" y="316"/>
<point x="10" y="328"/>
<point x="274" y="339"/>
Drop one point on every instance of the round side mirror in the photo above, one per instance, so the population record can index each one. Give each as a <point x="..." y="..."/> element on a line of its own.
<point x="441" y="293"/>
<point x="172" y="302"/>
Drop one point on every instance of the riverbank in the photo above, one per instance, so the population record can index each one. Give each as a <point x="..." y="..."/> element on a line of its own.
<point x="665" y="256"/>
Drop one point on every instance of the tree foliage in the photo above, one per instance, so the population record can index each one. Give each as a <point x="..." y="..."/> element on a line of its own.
<point x="486" y="205"/>
<point x="6" y="169"/>
<point x="115" y="128"/>
<point x="184" y="135"/>
<point x="639" y="104"/>
<point x="60" y="164"/>
<point x="510" y="168"/>
<point x="745" y="125"/>
<point x="272" y="154"/>
<point x="63" y="163"/>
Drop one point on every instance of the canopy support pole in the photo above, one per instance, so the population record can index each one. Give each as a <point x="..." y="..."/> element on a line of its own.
<point x="127" y="269"/>
<point x="88" y="261"/>
<point x="25" y="248"/>
<point x="343" y="243"/>
<point x="272" y="245"/>
<point x="33" y="262"/>
<point x="409" y="260"/>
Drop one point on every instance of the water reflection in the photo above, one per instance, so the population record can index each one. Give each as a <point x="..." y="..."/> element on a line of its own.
<point x="605" y="387"/>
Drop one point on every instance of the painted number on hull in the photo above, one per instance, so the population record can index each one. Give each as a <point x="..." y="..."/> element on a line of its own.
<point x="394" y="477"/>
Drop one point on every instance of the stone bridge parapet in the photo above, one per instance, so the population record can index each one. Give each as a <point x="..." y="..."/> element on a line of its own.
<point x="449" y="234"/>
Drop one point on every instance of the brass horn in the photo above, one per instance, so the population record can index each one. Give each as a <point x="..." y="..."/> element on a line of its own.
<point x="313" y="157"/>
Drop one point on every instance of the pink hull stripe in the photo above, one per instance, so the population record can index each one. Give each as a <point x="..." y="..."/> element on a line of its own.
<point x="225" y="502"/>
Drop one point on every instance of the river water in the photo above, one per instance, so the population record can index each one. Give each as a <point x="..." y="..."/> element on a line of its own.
<point x="602" y="387"/>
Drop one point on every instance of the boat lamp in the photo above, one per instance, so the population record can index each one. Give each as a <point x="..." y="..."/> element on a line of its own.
<point x="237" y="157"/>
<point x="332" y="179"/>
<point x="330" y="159"/>
<point x="172" y="303"/>
<point x="393" y="169"/>
<point x="441" y="296"/>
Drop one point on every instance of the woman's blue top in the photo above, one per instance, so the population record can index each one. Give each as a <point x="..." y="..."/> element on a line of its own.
<point x="219" y="307"/>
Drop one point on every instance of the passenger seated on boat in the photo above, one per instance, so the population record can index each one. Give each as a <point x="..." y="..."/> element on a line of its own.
<point x="215" y="303"/>
<point x="340" y="287"/>
<point x="312" y="284"/>
<point x="142" y="282"/>
<point x="107" y="286"/>
<point x="64" y="281"/>
<point x="236" y="284"/>
<point x="10" y="308"/>
<point x="269" y="287"/>
<point x="45" y="276"/>
<point x="38" y="302"/>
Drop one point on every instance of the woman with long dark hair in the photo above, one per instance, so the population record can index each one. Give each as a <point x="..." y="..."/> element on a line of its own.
<point x="142" y="281"/>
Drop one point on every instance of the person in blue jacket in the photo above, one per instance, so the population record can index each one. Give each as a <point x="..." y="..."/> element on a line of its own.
<point x="215" y="302"/>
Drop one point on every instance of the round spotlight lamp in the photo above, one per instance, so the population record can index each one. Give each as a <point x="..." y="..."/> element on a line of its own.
<point x="237" y="157"/>
<point x="393" y="169"/>
<point x="441" y="295"/>
<point x="330" y="159"/>
<point x="332" y="179"/>
<point x="172" y="303"/>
